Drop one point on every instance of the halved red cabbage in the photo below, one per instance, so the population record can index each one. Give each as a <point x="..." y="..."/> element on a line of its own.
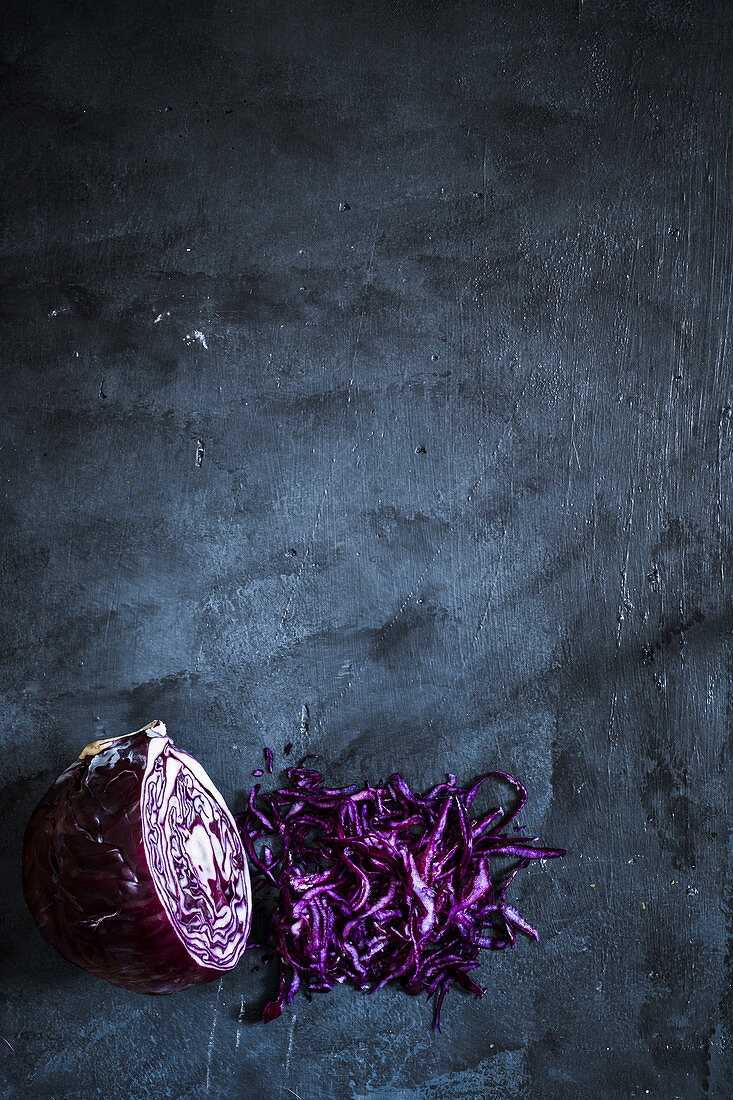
<point x="133" y="867"/>
<point x="380" y="884"/>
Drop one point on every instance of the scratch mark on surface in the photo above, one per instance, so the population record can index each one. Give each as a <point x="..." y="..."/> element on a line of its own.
<point x="625" y="605"/>
<point x="290" y="1044"/>
<point x="611" y="723"/>
<point x="240" y="1017"/>
<point x="451" y="689"/>
<point x="210" y="1048"/>
<point x="496" y="571"/>
<point x="723" y="424"/>
<point x="200" y="448"/>
<point x="574" y="444"/>
<point x="7" y="1044"/>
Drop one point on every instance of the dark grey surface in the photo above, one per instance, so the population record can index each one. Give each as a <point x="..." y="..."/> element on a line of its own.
<point x="451" y="466"/>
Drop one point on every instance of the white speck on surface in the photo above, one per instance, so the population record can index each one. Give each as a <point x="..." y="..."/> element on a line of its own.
<point x="200" y="451"/>
<point x="160" y="317"/>
<point x="196" y="336"/>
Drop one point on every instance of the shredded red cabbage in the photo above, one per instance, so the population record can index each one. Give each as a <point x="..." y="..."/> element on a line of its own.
<point x="380" y="884"/>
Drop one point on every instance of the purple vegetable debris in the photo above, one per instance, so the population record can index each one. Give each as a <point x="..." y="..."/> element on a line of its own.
<point x="380" y="884"/>
<point x="133" y="867"/>
<point x="269" y="759"/>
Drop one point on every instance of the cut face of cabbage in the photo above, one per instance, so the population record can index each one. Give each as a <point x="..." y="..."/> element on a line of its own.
<point x="195" y="857"/>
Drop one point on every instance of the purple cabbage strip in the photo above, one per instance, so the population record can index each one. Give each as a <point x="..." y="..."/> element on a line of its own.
<point x="382" y="884"/>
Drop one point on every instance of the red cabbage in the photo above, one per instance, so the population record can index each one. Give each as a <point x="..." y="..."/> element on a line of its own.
<point x="380" y="884"/>
<point x="133" y="867"/>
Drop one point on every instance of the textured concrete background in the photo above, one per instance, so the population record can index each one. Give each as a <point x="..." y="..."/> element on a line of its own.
<point x="373" y="356"/>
